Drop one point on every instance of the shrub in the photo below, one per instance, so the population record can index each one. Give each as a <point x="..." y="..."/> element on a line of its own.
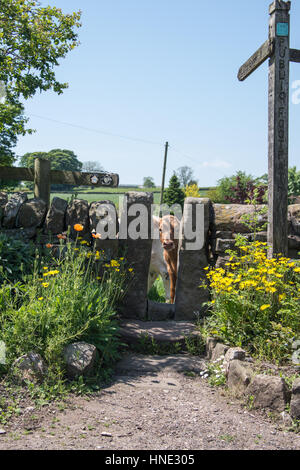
<point x="16" y="258"/>
<point x="294" y="183"/>
<point x="256" y="301"/>
<point x="238" y="188"/>
<point x="174" y="194"/>
<point x="192" y="190"/>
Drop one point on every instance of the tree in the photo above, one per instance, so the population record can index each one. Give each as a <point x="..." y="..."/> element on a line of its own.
<point x="92" y="167"/>
<point x="32" y="40"/>
<point x="60" y="160"/>
<point x="148" y="182"/>
<point x="174" y="194"/>
<point x="185" y="174"/>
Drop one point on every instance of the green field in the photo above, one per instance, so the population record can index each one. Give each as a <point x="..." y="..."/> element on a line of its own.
<point x="111" y="194"/>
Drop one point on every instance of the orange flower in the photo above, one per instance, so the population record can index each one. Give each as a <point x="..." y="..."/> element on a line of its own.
<point x="49" y="245"/>
<point x="61" y="237"/>
<point x="78" y="227"/>
<point x="96" y="235"/>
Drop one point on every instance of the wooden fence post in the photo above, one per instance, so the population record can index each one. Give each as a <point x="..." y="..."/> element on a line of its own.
<point x="42" y="179"/>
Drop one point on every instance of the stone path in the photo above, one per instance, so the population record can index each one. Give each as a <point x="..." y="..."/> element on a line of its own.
<point x="150" y="404"/>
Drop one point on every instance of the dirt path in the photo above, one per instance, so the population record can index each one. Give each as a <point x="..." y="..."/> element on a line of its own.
<point x="162" y="409"/>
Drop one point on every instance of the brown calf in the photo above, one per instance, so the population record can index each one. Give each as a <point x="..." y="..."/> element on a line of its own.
<point x="169" y="233"/>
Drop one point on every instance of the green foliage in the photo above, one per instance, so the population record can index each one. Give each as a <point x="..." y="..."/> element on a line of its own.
<point x="294" y="183"/>
<point x="256" y="302"/>
<point x="240" y="187"/>
<point x="174" y="194"/>
<point x="157" y="292"/>
<point x="61" y="304"/>
<point x="60" y="160"/>
<point x="253" y="220"/>
<point x="148" y="182"/>
<point x="16" y="259"/>
<point x="32" y="41"/>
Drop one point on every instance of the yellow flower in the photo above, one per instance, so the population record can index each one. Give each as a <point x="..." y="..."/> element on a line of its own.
<point x="130" y="270"/>
<point x="264" y="307"/>
<point x="41" y="298"/>
<point x="297" y="270"/>
<point x="45" y="267"/>
<point x="45" y="284"/>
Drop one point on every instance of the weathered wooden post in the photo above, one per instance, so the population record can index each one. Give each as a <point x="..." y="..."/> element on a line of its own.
<point x="277" y="48"/>
<point x="279" y="65"/>
<point x="42" y="179"/>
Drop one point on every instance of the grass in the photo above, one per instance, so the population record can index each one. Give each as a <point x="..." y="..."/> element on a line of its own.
<point x="110" y="194"/>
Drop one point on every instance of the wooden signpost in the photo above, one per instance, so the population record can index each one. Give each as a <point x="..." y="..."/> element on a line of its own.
<point x="277" y="49"/>
<point x="43" y="177"/>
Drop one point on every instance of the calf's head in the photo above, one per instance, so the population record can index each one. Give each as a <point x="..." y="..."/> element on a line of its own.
<point x="168" y="232"/>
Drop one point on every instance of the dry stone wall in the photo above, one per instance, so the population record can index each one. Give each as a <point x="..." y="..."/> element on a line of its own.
<point x="29" y="219"/>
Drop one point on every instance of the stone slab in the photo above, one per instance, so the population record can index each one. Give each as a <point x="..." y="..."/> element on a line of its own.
<point x="163" y="332"/>
<point x="140" y="364"/>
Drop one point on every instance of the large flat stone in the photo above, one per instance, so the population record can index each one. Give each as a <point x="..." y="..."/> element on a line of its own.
<point x="160" y="331"/>
<point x="139" y="364"/>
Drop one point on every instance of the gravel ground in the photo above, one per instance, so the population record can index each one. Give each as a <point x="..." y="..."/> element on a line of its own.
<point x="159" y="410"/>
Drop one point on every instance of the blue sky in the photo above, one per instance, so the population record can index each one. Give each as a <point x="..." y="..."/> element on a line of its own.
<point x="164" y="70"/>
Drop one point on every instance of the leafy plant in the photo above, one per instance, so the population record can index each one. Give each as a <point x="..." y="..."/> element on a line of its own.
<point x="64" y="302"/>
<point x="255" y="301"/>
<point x="16" y="258"/>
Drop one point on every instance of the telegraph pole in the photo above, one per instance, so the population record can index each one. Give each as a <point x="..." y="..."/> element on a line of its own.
<point x="164" y="173"/>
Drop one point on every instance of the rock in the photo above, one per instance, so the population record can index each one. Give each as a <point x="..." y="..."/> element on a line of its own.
<point x="294" y="242"/>
<point x="219" y="350"/>
<point x="296" y="344"/>
<point x="239" y="375"/>
<point x="228" y="217"/>
<point x="224" y="245"/>
<point x="192" y="261"/>
<point x="296" y="357"/>
<point x="224" y="235"/>
<point x="78" y="213"/>
<point x="295" y="400"/>
<point x="294" y="219"/>
<point x="24" y="234"/>
<point x="259" y="236"/>
<point x="3" y="202"/>
<point x="133" y="364"/>
<point x="210" y="345"/>
<point x="3" y="199"/>
<point x="269" y="392"/>
<point x="137" y="253"/>
<point x="159" y="311"/>
<point x="222" y="261"/>
<point x="160" y="331"/>
<point x="31" y="213"/>
<point x="103" y="214"/>
<point x="30" y="367"/>
<point x="81" y="359"/>
<point x="12" y="208"/>
<point x="286" y="418"/>
<point x="2" y="431"/>
<point x="233" y="354"/>
<point x="55" y="220"/>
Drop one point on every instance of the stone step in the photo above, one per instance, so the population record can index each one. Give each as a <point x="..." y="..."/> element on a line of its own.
<point x="161" y="331"/>
<point x="133" y="364"/>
